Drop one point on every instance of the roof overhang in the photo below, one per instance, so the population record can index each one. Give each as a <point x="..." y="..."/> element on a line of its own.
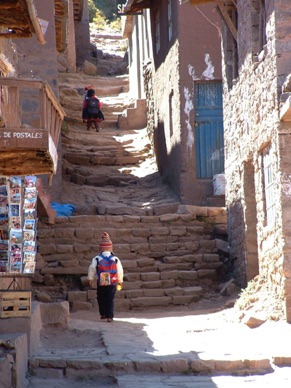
<point x="134" y="6"/>
<point x="18" y="19"/>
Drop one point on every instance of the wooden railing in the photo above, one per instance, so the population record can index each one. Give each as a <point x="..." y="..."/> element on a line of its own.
<point x="31" y="118"/>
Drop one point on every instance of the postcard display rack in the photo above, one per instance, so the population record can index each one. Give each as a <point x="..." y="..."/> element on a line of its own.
<point x="18" y="196"/>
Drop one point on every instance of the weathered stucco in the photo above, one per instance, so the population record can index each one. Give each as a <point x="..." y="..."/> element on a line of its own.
<point x="187" y="60"/>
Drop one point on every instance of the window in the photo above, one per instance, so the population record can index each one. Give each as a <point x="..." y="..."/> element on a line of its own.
<point x="157" y="32"/>
<point x="230" y="48"/>
<point x="262" y="24"/>
<point x="170" y="26"/>
<point x="268" y="185"/>
<point x="171" y="112"/>
<point x="259" y="26"/>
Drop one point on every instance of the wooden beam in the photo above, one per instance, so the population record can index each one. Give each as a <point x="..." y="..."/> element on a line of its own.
<point x="228" y="20"/>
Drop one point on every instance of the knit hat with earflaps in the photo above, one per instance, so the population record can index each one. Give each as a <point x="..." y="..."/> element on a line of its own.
<point x="106" y="244"/>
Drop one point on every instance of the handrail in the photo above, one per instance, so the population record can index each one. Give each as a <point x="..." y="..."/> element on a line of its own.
<point x="22" y="107"/>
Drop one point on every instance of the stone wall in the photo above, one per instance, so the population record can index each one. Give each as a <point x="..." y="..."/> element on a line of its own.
<point x="13" y="360"/>
<point x="161" y="255"/>
<point x="252" y="128"/>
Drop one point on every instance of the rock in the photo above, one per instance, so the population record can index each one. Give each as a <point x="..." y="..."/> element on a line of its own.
<point x="37" y="278"/>
<point x="49" y="280"/>
<point x="222" y="245"/>
<point x="43" y="297"/>
<point x="75" y="306"/>
<point x="55" y="314"/>
<point x="84" y="281"/>
<point x="77" y="296"/>
<point x="253" y="322"/>
<point x="89" y="68"/>
<point x="224" y="288"/>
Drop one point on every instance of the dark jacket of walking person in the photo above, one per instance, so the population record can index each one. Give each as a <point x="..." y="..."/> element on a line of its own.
<point x="109" y="271"/>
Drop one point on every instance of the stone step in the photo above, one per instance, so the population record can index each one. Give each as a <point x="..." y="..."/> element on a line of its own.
<point x="160" y="345"/>
<point x="158" y="253"/>
<point x="81" y="81"/>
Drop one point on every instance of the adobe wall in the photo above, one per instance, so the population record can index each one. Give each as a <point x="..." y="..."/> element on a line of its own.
<point x="251" y="120"/>
<point x="82" y="37"/>
<point x="200" y="60"/>
<point x="186" y="59"/>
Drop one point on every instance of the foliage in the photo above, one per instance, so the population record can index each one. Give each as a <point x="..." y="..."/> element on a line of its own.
<point x="107" y="8"/>
<point x="92" y="10"/>
<point x="102" y="13"/>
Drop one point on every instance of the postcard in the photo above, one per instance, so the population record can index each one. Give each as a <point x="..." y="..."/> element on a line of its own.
<point x="3" y="200"/>
<point x="28" y="235"/>
<point x="16" y="266"/>
<point x="14" y="182"/>
<point x="3" y="180"/>
<point x="3" y="256"/>
<point x="29" y="214"/>
<point x="30" y="181"/>
<point x="4" y="209"/>
<point x="29" y="267"/>
<point x="29" y="246"/>
<point x="3" y="191"/>
<point x="14" y="210"/>
<point x="15" y="197"/>
<point x="14" y="222"/>
<point x="29" y="203"/>
<point x="15" y="236"/>
<point x="3" y="245"/>
<point x="4" y="235"/>
<point x="4" y="266"/>
<point x="30" y="193"/>
<point x="14" y="257"/>
<point x="29" y="224"/>
<point x="28" y="256"/>
<point x="16" y="248"/>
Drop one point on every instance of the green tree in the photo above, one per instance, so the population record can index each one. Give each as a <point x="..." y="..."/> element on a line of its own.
<point x="107" y="8"/>
<point x="92" y="10"/>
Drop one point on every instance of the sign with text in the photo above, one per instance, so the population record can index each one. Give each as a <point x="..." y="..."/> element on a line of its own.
<point x="23" y="138"/>
<point x="120" y="4"/>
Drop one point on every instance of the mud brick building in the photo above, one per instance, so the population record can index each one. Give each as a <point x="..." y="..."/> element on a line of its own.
<point x="179" y="76"/>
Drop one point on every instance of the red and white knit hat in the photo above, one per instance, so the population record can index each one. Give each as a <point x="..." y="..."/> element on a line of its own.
<point x="106" y="244"/>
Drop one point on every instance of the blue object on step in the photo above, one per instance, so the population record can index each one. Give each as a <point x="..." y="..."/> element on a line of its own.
<point x="63" y="209"/>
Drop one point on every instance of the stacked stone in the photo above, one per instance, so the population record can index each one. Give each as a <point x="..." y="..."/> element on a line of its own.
<point x="167" y="259"/>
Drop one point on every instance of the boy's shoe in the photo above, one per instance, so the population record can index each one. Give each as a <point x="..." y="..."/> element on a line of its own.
<point x="109" y="319"/>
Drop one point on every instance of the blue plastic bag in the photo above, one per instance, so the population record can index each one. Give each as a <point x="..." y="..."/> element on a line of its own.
<point x="63" y="209"/>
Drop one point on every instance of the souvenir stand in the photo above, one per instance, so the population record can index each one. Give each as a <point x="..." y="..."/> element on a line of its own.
<point x="18" y="196"/>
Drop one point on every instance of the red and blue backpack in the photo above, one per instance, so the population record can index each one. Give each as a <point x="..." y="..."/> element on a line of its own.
<point x="107" y="270"/>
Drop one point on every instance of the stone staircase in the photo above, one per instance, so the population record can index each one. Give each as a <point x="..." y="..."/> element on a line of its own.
<point x="168" y="250"/>
<point x="168" y="259"/>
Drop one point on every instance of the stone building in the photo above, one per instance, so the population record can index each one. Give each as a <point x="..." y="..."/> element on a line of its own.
<point x="256" y="71"/>
<point x="179" y="76"/>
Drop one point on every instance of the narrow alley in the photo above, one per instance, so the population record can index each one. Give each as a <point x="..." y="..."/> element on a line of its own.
<point x="111" y="177"/>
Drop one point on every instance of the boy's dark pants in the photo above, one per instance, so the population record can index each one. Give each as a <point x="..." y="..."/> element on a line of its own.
<point x="105" y="299"/>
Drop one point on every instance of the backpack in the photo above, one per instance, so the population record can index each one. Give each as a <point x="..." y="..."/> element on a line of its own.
<point x="107" y="270"/>
<point x="93" y="106"/>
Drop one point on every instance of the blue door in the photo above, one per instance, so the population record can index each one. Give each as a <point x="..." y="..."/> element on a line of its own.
<point x="209" y="129"/>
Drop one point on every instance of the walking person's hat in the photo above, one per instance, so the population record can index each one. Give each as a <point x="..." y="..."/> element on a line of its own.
<point x="106" y="244"/>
